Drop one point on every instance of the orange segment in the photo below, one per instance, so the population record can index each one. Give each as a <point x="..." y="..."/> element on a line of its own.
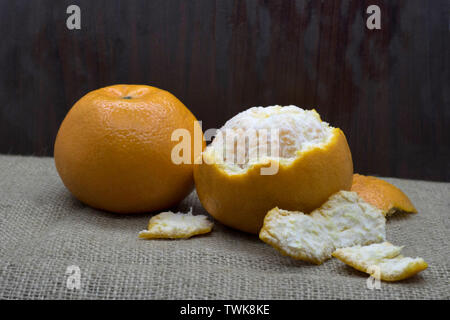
<point x="382" y="194"/>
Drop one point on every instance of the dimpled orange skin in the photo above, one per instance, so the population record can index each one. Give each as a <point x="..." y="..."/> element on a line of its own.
<point x="382" y="194"/>
<point x="113" y="149"/>
<point x="241" y="201"/>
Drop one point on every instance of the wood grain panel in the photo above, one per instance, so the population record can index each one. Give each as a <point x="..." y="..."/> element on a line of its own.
<point x="387" y="89"/>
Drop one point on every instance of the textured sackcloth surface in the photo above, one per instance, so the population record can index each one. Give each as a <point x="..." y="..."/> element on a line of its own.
<point x="43" y="230"/>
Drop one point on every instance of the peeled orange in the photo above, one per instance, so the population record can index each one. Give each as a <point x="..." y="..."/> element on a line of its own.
<point x="313" y="161"/>
<point x="113" y="149"/>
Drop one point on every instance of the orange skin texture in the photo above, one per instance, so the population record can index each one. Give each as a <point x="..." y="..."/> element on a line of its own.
<point x="241" y="201"/>
<point x="382" y="194"/>
<point x="113" y="149"/>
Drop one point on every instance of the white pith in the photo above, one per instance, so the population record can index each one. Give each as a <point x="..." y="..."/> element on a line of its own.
<point x="169" y="224"/>
<point x="298" y="130"/>
<point x="385" y="256"/>
<point x="344" y="220"/>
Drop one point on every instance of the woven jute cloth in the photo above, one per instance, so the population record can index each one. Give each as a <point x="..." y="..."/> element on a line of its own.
<point x="44" y="230"/>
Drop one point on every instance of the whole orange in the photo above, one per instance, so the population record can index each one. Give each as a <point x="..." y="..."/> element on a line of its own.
<point x="113" y="149"/>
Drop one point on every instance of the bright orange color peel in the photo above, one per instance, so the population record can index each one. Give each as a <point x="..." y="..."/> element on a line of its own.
<point x="382" y="194"/>
<point x="113" y="149"/>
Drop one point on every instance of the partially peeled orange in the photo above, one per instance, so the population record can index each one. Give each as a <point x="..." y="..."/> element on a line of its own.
<point x="240" y="178"/>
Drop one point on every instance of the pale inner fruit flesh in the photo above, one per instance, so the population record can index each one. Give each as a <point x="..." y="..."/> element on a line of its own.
<point x="259" y="134"/>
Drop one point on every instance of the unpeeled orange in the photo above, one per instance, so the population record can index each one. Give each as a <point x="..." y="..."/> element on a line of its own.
<point x="113" y="149"/>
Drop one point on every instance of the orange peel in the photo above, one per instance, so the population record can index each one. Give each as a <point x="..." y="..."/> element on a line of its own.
<point x="381" y="260"/>
<point x="382" y="194"/>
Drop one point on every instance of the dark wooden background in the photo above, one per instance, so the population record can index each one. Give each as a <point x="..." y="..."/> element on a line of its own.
<point x="387" y="89"/>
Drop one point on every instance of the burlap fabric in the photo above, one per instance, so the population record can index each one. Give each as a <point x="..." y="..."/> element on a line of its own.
<point x="43" y="230"/>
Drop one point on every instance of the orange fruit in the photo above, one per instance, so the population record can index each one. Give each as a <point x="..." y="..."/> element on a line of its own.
<point x="314" y="161"/>
<point x="113" y="149"/>
<point x="382" y="194"/>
